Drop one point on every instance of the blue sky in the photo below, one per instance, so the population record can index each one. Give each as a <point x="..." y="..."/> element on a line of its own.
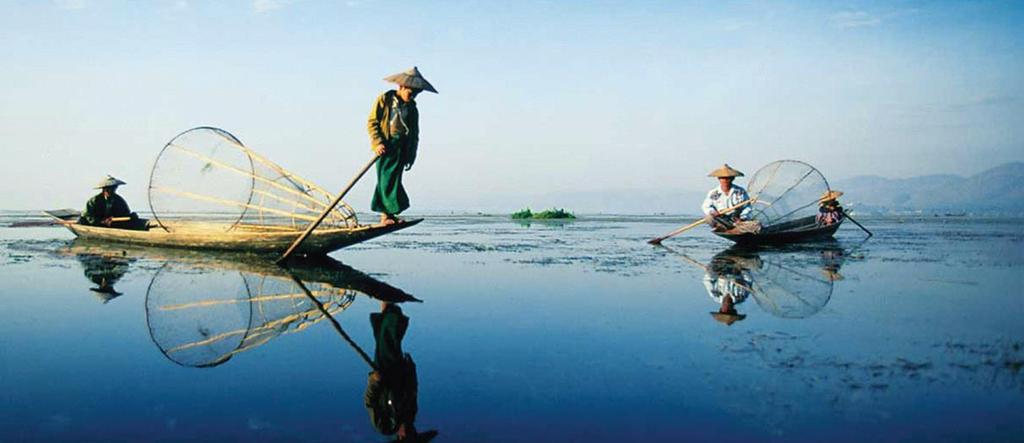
<point x="535" y="97"/>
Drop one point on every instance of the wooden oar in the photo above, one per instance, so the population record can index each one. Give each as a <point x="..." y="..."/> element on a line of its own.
<point x="330" y="208"/>
<point x="658" y="240"/>
<point x="855" y="222"/>
<point x="55" y="222"/>
<point x="36" y="224"/>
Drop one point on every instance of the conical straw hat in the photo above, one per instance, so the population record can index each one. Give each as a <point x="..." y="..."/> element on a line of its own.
<point x="725" y="171"/>
<point x="832" y="274"/>
<point x="727" y="318"/>
<point x="108" y="181"/>
<point x="411" y="79"/>
<point x="830" y="195"/>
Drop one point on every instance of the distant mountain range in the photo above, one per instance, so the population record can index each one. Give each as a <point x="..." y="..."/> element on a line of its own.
<point x="995" y="191"/>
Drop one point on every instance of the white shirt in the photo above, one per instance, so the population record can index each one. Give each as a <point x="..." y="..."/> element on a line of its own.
<point x="720" y="286"/>
<point x="721" y="201"/>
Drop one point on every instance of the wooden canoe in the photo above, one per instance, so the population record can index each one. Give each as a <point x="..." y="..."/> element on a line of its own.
<point x="800" y="231"/>
<point x="255" y="239"/>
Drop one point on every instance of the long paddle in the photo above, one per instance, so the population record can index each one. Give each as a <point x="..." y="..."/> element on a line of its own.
<point x="330" y="208"/>
<point x="856" y="222"/>
<point x="658" y="240"/>
<point x="56" y="222"/>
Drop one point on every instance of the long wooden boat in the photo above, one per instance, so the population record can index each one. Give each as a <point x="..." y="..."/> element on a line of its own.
<point x="240" y="238"/>
<point x="798" y="231"/>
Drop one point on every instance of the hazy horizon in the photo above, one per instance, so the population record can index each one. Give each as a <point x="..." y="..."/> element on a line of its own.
<point x="535" y="97"/>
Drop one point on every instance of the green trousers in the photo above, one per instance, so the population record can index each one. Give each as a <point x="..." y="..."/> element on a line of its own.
<point x="389" y="196"/>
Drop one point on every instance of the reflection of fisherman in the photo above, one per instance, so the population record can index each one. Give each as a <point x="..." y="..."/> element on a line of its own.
<point x="728" y="284"/>
<point x="829" y="211"/>
<point x="392" y="389"/>
<point x="832" y="259"/>
<point x="104" y="272"/>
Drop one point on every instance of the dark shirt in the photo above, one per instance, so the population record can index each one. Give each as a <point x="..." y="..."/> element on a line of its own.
<point x="99" y="208"/>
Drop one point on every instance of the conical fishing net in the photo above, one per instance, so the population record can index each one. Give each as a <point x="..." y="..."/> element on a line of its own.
<point x="786" y="194"/>
<point x="207" y="174"/>
<point x="790" y="285"/>
<point x="202" y="317"/>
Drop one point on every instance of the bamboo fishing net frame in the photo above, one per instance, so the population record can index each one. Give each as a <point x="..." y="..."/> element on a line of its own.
<point x="760" y="188"/>
<point x="274" y="198"/>
<point x="270" y="306"/>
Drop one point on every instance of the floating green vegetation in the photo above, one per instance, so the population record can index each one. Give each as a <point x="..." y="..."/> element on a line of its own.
<point x="550" y="214"/>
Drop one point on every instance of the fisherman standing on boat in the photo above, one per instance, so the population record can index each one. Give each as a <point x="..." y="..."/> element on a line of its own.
<point x="725" y="196"/>
<point x="394" y="136"/>
<point x="107" y="208"/>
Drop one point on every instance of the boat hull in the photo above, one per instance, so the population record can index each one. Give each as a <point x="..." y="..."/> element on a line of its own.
<point x="206" y="236"/>
<point x="815" y="234"/>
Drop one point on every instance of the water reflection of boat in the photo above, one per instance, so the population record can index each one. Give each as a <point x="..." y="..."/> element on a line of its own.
<point x="312" y="269"/>
<point x="204" y="308"/>
<point x="795" y="282"/>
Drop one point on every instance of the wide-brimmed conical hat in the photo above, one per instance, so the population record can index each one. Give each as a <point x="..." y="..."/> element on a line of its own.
<point x="725" y="171"/>
<point x="109" y="181"/>
<point x="830" y="195"/>
<point x="832" y="274"/>
<point x="411" y="79"/>
<point x="726" y="318"/>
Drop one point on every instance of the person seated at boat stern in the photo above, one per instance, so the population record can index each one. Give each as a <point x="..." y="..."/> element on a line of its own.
<point x="109" y="209"/>
<point x="829" y="211"/>
<point x="394" y="135"/>
<point x="721" y="198"/>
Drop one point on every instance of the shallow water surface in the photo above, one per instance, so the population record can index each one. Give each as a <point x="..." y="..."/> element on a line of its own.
<point x="552" y="331"/>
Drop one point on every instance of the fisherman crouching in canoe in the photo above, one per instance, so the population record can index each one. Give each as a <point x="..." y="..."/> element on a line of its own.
<point x="829" y="211"/>
<point x="394" y="136"/>
<point x="720" y="206"/>
<point x="109" y="209"/>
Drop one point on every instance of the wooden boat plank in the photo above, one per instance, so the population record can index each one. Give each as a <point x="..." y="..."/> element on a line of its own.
<point x="817" y="233"/>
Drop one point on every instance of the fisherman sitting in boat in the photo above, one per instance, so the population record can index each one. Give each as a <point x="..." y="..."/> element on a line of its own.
<point x="107" y="208"/>
<point x="829" y="211"/>
<point x="719" y="204"/>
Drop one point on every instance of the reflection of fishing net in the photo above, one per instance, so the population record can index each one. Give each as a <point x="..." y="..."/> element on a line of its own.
<point x="791" y="286"/>
<point x="787" y="193"/>
<point x="207" y="173"/>
<point x="201" y="318"/>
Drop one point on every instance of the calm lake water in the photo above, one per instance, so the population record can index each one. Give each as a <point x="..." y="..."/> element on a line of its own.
<point x="542" y="332"/>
